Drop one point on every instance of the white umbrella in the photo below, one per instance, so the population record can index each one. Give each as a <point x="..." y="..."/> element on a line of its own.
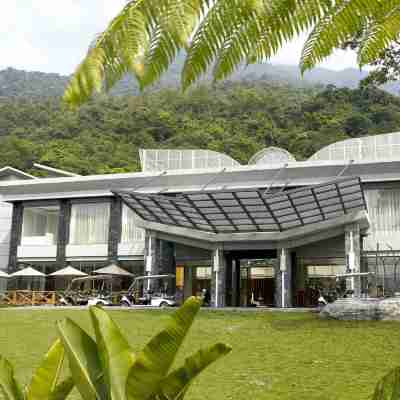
<point x="113" y="269"/>
<point x="68" y="271"/>
<point x="28" y="272"/>
<point x="3" y="274"/>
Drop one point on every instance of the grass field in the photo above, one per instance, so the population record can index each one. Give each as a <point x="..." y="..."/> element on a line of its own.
<point x="275" y="355"/>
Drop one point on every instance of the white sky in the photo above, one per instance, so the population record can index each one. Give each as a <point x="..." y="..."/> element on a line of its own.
<point x="53" y="35"/>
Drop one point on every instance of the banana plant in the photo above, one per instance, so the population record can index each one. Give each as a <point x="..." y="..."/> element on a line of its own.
<point x="46" y="383"/>
<point x="388" y="388"/>
<point x="106" y="368"/>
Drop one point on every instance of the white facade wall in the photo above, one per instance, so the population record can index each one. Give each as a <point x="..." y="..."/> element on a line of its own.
<point x="5" y="233"/>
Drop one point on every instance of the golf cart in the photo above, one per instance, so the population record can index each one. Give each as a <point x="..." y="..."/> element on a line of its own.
<point x="89" y="290"/>
<point x="151" y="290"/>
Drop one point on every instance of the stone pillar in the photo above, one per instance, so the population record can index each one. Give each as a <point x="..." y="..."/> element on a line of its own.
<point x="15" y="238"/>
<point x="283" y="279"/>
<point x="63" y="232"/>
<point x="114" y="233"/>
<point x="218" y="278"/>
<point x="189" y="275"/>
<point x="235" y="283"/>
<point x="301" y="278"/>
<point x="228" y="280"/>
<point x="159" y="255"/>
<point x="352" y="250"/>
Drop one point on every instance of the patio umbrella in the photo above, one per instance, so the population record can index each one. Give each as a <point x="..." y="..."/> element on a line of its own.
<point x="28" y="272"/>
<point x="113" y="269"/>
<point x="3" y="281"/>
<point x="64" y="276"/>
<point x="3" y="274"/>
<point x="68" y="271"/>
<point x="31" y="279"/>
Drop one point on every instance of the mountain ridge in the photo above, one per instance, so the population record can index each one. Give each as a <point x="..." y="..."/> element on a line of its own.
<point x="16" y="83"/>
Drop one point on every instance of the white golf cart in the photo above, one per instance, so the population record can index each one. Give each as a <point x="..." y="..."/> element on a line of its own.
<point x="151" y="290"/>
<point x="89" y="290"/>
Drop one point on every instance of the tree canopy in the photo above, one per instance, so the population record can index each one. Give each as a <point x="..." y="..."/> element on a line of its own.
<point x="104" y="135"/>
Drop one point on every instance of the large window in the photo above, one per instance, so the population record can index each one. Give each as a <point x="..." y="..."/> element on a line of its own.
<point x="89" y="223"/>
<point x="40" y="225"/>
<point x="384" y="212"/>
<point x="130" y="232"/>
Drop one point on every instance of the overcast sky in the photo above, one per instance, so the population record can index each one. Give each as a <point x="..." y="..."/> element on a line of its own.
<point x="53" y="35"/>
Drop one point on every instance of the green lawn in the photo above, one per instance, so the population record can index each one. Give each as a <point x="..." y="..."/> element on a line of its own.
<point x="275" y="355"/>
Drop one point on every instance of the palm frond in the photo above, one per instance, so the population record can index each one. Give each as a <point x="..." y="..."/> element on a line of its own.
<point x="236" y="48"/>
<point x="285" y="20"/>
<point x="210" y="36"/>
<point x="116" y="51"/>
<point x="174" y="25"/>
<point x="340" y="24"/>
<point x="380" y="35"/>
<point x="147" y="35"/>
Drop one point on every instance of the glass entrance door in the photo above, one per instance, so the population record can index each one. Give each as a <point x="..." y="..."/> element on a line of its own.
<point x="257" y="283"/>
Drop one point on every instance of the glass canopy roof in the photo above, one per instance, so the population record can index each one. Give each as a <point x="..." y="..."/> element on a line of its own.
<point x="249" y="210"/>
<point x="164" y="159"/>
<point x="367" y="148"/>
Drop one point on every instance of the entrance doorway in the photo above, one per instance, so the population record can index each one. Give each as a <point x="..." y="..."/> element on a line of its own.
<point x="251" y="278"/>
<point x="257" y="282"/>
<point x="319" y="279"/>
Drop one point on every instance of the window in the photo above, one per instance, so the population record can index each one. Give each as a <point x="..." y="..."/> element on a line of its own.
<point x="40" y="225"/>
<point x="130" y="232"/>
<point x="262" y="272"/>
<point x="319" y="271"/>
<point x="384" y="212"/>
<point x="89" y="223"/>
<point x="203" y="272"/>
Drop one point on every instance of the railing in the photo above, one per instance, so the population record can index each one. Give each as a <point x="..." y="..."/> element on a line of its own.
<point x="28" y="297"/>
<point x="38" y="298"/>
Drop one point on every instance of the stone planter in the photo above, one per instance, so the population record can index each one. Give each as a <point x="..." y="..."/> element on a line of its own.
<point x="363" y="309"/>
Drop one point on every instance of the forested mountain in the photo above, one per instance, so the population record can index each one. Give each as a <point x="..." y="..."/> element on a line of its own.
<point x="235" y="118"/>
<point x="18" y="83"/>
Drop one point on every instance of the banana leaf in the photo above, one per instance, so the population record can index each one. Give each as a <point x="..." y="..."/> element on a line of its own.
<point x="45" y="379"/>
<point x="388" y="388"/>
<point x="154" y="361"/>
<point x="175" y="385"/>
<point x="115" y="353"/>
<point x="84" y="362"/>
<point x="8" y="385"/>
<point x="62" y="390"/>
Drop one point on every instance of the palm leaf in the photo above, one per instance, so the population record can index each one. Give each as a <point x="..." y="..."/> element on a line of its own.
<point x="388" y="388"/>
<point x="209" y="39"/>
<point x="153" y="363"/>
<point x="379" y="36"/>
<point x="46" y="376"/>
<point x="283" y="21"/>
<point x="115" y="354"/>
<point x="174" y="24"/>
<point x="8" y="385"/>
<point x="339" y="25"/>
<point x="248" y="30"/>
<point x="84" y="362"/>
<point x="175" y="385"/>
<point x="116" y="51"/>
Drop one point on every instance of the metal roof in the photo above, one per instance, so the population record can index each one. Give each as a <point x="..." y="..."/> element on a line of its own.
<point x="249" y="210"/>
<point x="10" y="171"/>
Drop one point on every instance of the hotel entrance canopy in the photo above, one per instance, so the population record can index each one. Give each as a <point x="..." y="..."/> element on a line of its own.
<point x="249" y="210"/>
